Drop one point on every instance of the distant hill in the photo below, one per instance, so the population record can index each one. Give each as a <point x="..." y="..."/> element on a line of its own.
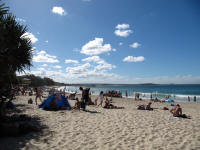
<point x="36" y="81"/>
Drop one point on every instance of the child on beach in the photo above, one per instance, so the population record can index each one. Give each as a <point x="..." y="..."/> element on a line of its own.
<point x="95" y="101"/>
<point x="77" y="104"/>
<point x="101" y="97"/>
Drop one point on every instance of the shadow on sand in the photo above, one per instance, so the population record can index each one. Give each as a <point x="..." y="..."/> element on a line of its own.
<point x="22" y="139"/>
<point x="92" y="112"/>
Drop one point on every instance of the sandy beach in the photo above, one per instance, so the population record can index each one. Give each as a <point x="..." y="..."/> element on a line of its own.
<point x="109" y="129"/>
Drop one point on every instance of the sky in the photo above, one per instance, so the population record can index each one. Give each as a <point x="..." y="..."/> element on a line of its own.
<point x="113" y="41"/>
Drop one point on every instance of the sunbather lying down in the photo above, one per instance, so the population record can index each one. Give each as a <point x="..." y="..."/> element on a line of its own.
<point x="111" y="106"/>
<point x="143" y="107"/>
<point x="177" y="112"/>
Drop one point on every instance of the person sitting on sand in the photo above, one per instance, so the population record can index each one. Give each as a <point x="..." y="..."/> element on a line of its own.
<point x="95" y="101"/>
<point x="77" y="104"/>
<point x="148" y="107"/>
<point x="177" y="112"/>
<point x="143" y="107"/>
<point x="30" y="101"/>
<point x="111" y="106"/>
<point x="53" y="105"/>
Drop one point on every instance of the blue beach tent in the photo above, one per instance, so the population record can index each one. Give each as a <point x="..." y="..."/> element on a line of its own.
<point x="169" y="100"/>
<point x="63" y="102"/>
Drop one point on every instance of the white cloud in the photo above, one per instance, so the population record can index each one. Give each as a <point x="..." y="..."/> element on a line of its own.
<point x="79" y="69"/>
<point x="123" y="33"/>
<point x="59" y="10"/>
<point x="95" y="47"/>
<point x="20" y="20"/>
<point x="122" y="26"/>
<point x="92" y="76"/>
<point x="114" y="49"/>
<point x="57" y="67"/>
<point x="105" y="66"/>
<point x="135" y="45"/>
<point x="133" y="59"/>
<point x="102" y="65"/>
<point x="42" y="56"/>
<point x="95" y="59"/>
<point x="120" y="44"/>
<point x="123" y="30"/>
<point x="30" y="36"/>
<point x="44" y="65"/>
<point x="68" y="61"/>
<point x="46" y="41"/>
<point x="33" y="48"/>
<point x="88" y="76"/>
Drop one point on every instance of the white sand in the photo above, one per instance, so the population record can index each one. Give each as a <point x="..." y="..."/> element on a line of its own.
<point x="111" y="129"/>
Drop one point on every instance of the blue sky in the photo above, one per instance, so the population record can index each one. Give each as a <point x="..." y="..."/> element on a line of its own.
<point x="113" y="41"/>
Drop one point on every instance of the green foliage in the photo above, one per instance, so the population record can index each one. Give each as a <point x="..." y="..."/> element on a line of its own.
<point x="15" y="51"/>
<point x="37" y="81"/>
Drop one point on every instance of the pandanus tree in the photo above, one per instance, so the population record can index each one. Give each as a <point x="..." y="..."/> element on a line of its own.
<point x="15" y="48"/>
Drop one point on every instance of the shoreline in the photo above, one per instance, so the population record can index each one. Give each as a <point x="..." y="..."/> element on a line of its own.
<point x="144" y="95"/>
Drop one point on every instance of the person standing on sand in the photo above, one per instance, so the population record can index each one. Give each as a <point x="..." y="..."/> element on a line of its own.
<point x="101" y="98"/>
<point x="126" y="94"/>
<point x="85" y="97"/>
<point x="38" y="95"/>
<point x="195" y="98"/>
<point x="188" y="99"/>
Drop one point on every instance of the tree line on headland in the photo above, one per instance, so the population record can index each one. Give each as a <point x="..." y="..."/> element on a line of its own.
<point x="36" y="81"/>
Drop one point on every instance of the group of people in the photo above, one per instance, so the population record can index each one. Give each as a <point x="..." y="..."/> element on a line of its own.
<point x="176" y="110"/>
<point x="86" y="100"/>
<point x="195" y="99"/>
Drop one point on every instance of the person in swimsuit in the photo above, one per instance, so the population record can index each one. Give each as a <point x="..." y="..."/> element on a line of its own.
<point x="111" y="106"/>
<point x="177" y="112"/>
<point x="77" y="104"/>
<point x="38" y="95"/>
<point x="101" y="97"/>
<point x="85" y="97"/>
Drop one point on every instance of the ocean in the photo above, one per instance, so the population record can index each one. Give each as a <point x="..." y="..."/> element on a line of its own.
<point x="176" y="92"/>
